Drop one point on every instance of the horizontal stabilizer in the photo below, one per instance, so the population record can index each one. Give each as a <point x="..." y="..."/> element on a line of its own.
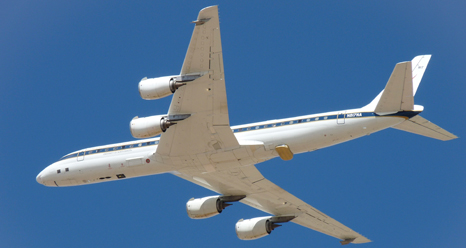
<point x="421" y="126"/>
<point x="398" y="93"/>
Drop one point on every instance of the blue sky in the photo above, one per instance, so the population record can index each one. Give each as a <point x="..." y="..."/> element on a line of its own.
<point x="68" y="80"/>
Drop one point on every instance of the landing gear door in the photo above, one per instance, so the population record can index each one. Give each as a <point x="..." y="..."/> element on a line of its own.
<point x="80" y="156"/>
<point x="341" y="117"/>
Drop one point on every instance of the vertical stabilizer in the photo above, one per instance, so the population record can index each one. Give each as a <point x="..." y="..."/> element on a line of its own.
<point x="419" y="65"/>
<point x="398" y="93"/>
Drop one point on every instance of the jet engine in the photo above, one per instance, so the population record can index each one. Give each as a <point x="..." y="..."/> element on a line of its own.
<point x="153" y="125"/>
<point x="156" y="88"/>
<point x="146" y="127"/>
<point x="202" y="208"/>
<point x="259" y="227"/>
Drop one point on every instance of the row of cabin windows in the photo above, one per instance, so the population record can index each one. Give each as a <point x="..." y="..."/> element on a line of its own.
<point x="234" y="131"/>
<point x="109" y="149"/>
<point x="278" y="124"/>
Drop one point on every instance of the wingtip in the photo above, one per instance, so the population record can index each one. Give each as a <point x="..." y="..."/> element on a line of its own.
<point x="208" y="9"/>
<point x="361" y="240"/>
<point x="206" y="14"/>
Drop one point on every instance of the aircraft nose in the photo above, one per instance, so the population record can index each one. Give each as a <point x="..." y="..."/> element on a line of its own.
<point x="39" y="178"/>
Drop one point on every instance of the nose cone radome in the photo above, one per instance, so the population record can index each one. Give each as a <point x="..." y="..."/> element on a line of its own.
<point x="39" y="178"/>
<point x="45" y="178"/>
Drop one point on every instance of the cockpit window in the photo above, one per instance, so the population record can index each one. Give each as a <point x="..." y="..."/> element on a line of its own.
<point x="69" y="156"/>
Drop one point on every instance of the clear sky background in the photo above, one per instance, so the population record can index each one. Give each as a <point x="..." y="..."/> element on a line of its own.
<point x="68" y="80"/>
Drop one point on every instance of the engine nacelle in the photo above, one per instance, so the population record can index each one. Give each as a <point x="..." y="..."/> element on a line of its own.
<point x="201" y="208"/>
<point x="146" y="127"/>
<point x="259" y="227"/>
<point x="156" y="88"/>
<point x="209" y="206"/>
<point x="254" y="228"/>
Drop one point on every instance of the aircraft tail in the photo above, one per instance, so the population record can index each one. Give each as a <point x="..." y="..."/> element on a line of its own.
<point x="401" y="87"/>
<point x="398" y="96"/>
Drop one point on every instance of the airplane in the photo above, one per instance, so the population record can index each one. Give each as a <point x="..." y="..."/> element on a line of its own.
<point x="197" y="143"/>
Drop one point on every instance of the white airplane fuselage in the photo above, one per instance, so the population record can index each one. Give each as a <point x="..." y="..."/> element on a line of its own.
<point x="138" y="158"/>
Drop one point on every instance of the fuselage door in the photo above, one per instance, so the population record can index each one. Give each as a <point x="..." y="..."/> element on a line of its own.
<point x="81" y="156"/>
<point x="341" y="117"/>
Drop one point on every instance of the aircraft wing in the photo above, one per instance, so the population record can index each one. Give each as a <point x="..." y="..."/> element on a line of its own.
<point x="203" y="149"/>
<point x="264" y="195"/>
<point x="204" y="99"/>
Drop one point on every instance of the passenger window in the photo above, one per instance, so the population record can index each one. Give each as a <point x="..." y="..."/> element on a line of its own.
<point x="67" y="169"/>
<point x="58" y="171"/>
